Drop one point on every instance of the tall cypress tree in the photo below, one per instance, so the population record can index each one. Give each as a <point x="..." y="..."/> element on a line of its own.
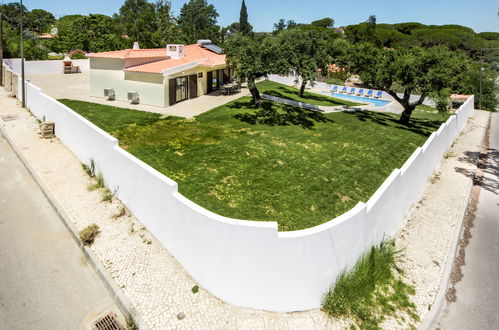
<point x="244" y="27"/>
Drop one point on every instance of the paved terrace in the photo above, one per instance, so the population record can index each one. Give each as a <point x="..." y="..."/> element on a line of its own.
<point x="77" y="87"/>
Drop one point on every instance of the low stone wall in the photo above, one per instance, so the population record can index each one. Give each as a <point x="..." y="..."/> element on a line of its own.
<point x="250" y="263"/>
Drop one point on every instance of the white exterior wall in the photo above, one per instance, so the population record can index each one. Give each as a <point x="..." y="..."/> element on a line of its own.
<point x="44" y="67"/>
<point x="108" y="73"/>
<point x="243" y="262"/>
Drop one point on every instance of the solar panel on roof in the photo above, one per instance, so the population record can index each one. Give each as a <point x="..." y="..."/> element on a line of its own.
<point x="213" y="48"/>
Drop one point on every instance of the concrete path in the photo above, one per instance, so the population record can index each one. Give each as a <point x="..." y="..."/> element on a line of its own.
<point x="477" y="293"/>
<point x="45" y="282"/>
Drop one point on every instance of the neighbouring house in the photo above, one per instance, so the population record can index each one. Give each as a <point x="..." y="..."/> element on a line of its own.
<point x="159" y="77"/>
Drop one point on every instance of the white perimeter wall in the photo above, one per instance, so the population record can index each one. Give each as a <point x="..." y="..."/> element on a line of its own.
<point x="43" y="67"/>
<point x="242" y="262"/>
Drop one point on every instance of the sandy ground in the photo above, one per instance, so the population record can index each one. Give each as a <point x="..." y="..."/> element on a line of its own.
<point x="160" y="288"/>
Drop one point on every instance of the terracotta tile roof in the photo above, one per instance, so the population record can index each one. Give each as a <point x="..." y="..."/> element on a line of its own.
<point x="131" y="54"/>
<point x="193" y="54"/>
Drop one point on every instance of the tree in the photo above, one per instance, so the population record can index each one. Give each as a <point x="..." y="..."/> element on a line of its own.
<point x="416" y="70"/>
<point x="138" y="21"/>
<point x="40" y="20"/>
<point x="198" y="20"/>
<point x="280" y="25"/>
<point x="304" y="51"/>
<point x="325" y="22"/>
<point x="168" y="32"/>
<point x="12" y="13"/>
<point x="244" y="26"/>
<point x="252" y="57"/>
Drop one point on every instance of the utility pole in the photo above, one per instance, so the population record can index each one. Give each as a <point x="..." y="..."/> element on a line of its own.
<point x="1" y="49"/>
<point x="23" y="88"/>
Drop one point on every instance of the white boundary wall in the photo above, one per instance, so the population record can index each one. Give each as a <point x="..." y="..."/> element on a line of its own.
<point x="243" y="262"/>
<point x="44" y="67"/>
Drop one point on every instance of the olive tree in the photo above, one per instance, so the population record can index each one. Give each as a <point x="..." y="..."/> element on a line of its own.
<point x="408" y="71"/>
<point x="252" y="57"/>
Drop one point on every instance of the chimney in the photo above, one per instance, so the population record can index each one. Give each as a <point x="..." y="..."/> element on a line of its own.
<point x="175" y="52"/>
<point x="136" y="45"/>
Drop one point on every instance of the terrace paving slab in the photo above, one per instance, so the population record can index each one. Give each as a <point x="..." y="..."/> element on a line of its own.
<point x="158" y="286"/>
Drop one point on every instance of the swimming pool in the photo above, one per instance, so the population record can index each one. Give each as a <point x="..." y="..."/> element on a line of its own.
<point x="376" y="102"/>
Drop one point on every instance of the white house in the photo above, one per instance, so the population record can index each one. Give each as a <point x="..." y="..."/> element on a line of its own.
<point x="159" y="77"/>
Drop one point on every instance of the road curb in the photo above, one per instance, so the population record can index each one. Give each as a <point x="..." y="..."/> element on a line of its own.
<point x="116" y="294"/>
<point x="432" y="317"/>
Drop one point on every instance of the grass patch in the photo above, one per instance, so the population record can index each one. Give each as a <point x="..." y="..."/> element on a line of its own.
<point x="298" y="167"/>
<point x="88" y="234"/>
<point x="291" y="93"/>
<point x="372" y="291"/>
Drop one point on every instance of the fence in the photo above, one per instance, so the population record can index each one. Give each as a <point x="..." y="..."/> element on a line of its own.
<point x="250" y="263"/>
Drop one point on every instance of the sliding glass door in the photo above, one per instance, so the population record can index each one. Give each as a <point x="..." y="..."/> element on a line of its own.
<point x="181" y="89"/>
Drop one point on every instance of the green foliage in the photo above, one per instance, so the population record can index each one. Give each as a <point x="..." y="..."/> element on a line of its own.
<point x="137" y="19"/>
<point x="373" y="290"/>
<point x="325" y="22"/>
<point x="243" y="162"/>
<point x="168" y="32"/>
<point x="414" y="70"/>
<point x="40" y="20"/>
<point x="470" y="84"/>
<point x="244" y="26"/>
<point x="304" y="51"/>
<point x="198" y="20"/>
<point x="252" y="57"/>
<point x="93" y="33"/>
<point x="195" y="289"/>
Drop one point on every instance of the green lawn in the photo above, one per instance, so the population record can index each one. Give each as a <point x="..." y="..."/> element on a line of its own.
<point x="297" y="167"/>
<point x="291" y="93"/>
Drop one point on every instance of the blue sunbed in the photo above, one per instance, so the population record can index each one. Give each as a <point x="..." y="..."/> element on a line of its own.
<point x="343" y="90"/>
<point x="379" y="94"/>
<point x="369" y="93"/>
<point x="360" y="92"/>
<point x="334" y="89"/>
<point x="352" y="91"/>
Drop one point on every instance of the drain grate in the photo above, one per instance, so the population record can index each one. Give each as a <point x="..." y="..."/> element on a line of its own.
<point x="108" y="322"/>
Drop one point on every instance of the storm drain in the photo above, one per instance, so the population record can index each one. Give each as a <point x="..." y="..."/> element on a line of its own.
<point x="108" y="322"/>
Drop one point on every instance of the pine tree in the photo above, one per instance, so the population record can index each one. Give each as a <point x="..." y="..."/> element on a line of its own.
<point x="244" y="26"/>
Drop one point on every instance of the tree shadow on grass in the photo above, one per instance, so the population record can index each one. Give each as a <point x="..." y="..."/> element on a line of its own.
<point x="419" y="126"/>
<point x="284" y="93"/>
<point x="284" y="116"/>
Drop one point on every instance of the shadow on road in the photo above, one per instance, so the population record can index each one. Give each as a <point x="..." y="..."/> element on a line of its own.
<point x="488" y="164"/>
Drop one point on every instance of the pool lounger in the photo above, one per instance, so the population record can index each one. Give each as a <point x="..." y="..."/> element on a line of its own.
<point x="352" y="91"/>
<point x="360" y="92"/>
<point x="369" y="93"/>
<point x="343" y="90"/>
<point x="334" y="89"/>
<point x="379" y="94"/>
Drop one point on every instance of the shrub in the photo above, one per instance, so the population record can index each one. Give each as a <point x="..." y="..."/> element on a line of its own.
<point x="88" y="234"/>
<point x="77" y="54"/>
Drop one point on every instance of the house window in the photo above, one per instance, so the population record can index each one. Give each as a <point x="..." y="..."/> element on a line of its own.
<point x="200" y="75"/>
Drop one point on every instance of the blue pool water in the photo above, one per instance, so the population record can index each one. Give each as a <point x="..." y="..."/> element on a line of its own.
<point x="376" y="102"/>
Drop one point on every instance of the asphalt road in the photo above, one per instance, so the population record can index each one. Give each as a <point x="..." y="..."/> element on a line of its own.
<point x="477" y="305"/>
<point x="45" y="282"/>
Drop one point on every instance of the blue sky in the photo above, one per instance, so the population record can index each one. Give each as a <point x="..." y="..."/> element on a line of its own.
<point x="481" y="15"/>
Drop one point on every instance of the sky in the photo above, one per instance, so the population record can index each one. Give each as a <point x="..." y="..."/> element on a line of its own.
<point x="480" y="15"/>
